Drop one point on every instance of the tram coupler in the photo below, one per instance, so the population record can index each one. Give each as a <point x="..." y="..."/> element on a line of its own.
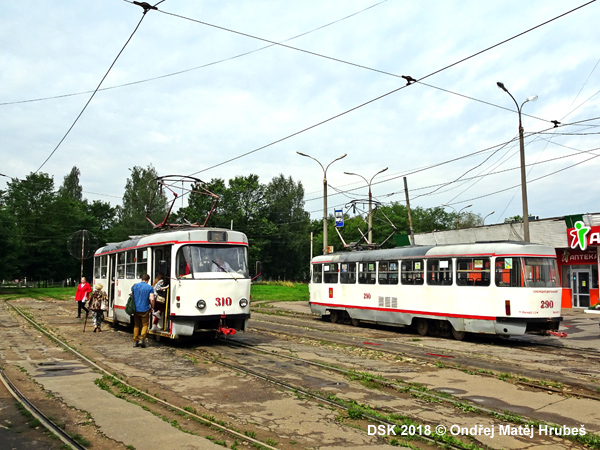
<point x="225" y="330"/>
<point x="560" y="334"/>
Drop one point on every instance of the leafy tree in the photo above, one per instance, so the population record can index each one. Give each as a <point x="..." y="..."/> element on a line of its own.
<point x="285" y="255"/>
<point x="71" y="187"/>
<point x="200" y="204"/>
<point x="43" y="225"/>
<point x="140" y="198"/>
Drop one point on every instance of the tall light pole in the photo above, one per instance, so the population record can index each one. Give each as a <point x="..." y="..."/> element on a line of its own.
<point x="370" y="200"/>
<point x="457" y="212"/>
<point x="533" y="98"/>
<point x="324" y="195"/>
<point x="488" y="216"/>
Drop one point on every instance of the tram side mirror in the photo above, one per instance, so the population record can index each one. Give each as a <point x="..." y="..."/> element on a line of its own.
<point x="258" y="268"/>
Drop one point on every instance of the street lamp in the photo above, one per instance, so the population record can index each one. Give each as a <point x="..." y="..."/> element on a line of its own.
<point x="457" y="212"/>
<point x="488" y="216"/>
<point x="370" y="200"/>
<point x="533" y="98"/>
<point x="324" y="195"/>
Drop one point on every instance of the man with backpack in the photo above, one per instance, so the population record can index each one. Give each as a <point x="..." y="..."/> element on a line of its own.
<point x="143" y="295"/>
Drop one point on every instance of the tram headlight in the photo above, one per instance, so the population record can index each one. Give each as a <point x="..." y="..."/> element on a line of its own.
<point x="200" y="304"/>
<point x="243" y="302"/>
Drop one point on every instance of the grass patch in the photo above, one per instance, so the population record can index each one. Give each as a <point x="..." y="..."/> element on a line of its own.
<point x="279" y="291"/>
<point x="57" y="293"/>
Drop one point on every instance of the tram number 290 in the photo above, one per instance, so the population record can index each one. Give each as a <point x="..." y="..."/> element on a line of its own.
<point x="547" y="304"/>
<point x="223" y="301"/>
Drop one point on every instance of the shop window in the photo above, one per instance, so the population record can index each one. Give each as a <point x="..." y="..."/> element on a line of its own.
<point x="367" y="273"/>
<point x="348" y="273"/>
<point x="412" y="271"/>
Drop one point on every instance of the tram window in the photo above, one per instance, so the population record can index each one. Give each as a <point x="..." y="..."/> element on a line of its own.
<point x="317" y="273"/>
<point x="100" y="266"/>
<point x="206" y="261"/>
<point x="142" y="262"/>
<point x="412" y="271"/>
<point x="388" y="272"/>
<point x="367" y="273"/>
<point x="526" y="272"/>
<point x="330" y="273"/>
<point x="121" y="265"/>
<point x="439" y="272"/>
<point x="348" y="273"/>
<point x="541" y="272"/>
<point x="130" y="264"/>
<point x="473" y="271"/>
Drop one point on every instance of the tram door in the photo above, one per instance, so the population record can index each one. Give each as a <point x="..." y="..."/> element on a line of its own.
<point x="112" y="271"/>
<point x="161" y="264"/>
<point x="580" y="288"/>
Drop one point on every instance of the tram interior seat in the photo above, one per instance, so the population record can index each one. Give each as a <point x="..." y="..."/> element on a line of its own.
<point x="418" y="280"/>
<point x="540" y="283"/>
<point x="383" y="280"/>
<point x="482" y="282"/>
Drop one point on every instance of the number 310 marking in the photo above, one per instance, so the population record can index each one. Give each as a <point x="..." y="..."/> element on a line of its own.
<point x="547" y="304"/>
<point x="223" y="301"/>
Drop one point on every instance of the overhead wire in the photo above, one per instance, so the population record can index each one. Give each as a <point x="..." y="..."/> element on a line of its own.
<point x="197" y="67"/>
<point x="94" y="93"/>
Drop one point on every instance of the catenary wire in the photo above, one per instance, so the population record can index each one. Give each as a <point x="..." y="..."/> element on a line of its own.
<point x="92" y="96"/>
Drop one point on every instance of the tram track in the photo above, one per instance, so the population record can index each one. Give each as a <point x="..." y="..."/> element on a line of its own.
<point x="173" y="407"/>
<point x="402" y="388"/>
<point x="56" y="430"/>
<point x="418" y="395"/>
<point x="427" y="350"/>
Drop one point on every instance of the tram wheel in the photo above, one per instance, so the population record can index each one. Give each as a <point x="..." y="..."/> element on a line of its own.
<point x="458" y="335"/>
<point x="355" y="322"/>
<point x="422" y="326"/>
<point x="333" y="317"/>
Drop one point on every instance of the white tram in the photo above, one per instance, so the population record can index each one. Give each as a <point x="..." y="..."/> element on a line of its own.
<point x="207" y="274"/>
<point x="502" y="288"/>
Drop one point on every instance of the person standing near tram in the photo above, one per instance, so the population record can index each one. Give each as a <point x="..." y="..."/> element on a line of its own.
<point x="143" y="295"/>
<point x="81" y="296"/>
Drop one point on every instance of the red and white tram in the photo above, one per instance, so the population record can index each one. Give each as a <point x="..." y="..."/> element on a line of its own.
<point x="502" y="288"/>
<point x="206" y="270"/>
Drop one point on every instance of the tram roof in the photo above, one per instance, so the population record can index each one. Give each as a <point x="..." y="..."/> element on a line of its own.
<point x="476" y="249"/>
<point x="178" y="236"/>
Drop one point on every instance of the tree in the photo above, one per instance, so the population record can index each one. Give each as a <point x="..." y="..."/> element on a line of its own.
<point x="71" y="187"/>
<point x="141" y="198"/>
<point x="44" y="222"/>
<point x="287" y="226"/>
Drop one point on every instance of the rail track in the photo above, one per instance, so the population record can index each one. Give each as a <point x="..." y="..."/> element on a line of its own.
<point x="56" y="430"/>
<point x="131" y="389"/>
<point x="259" y="369"/>
<point x="581" y="378"/>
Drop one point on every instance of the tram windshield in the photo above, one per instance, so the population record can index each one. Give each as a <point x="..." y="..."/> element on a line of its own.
<point x="526" y="272"/>
<point x="205" y="261"/>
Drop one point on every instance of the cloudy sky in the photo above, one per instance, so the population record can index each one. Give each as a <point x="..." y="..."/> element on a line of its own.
<point x="199" y="89"/>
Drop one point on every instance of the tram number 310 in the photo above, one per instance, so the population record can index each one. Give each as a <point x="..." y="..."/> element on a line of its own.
<point x="223" y="301"/>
